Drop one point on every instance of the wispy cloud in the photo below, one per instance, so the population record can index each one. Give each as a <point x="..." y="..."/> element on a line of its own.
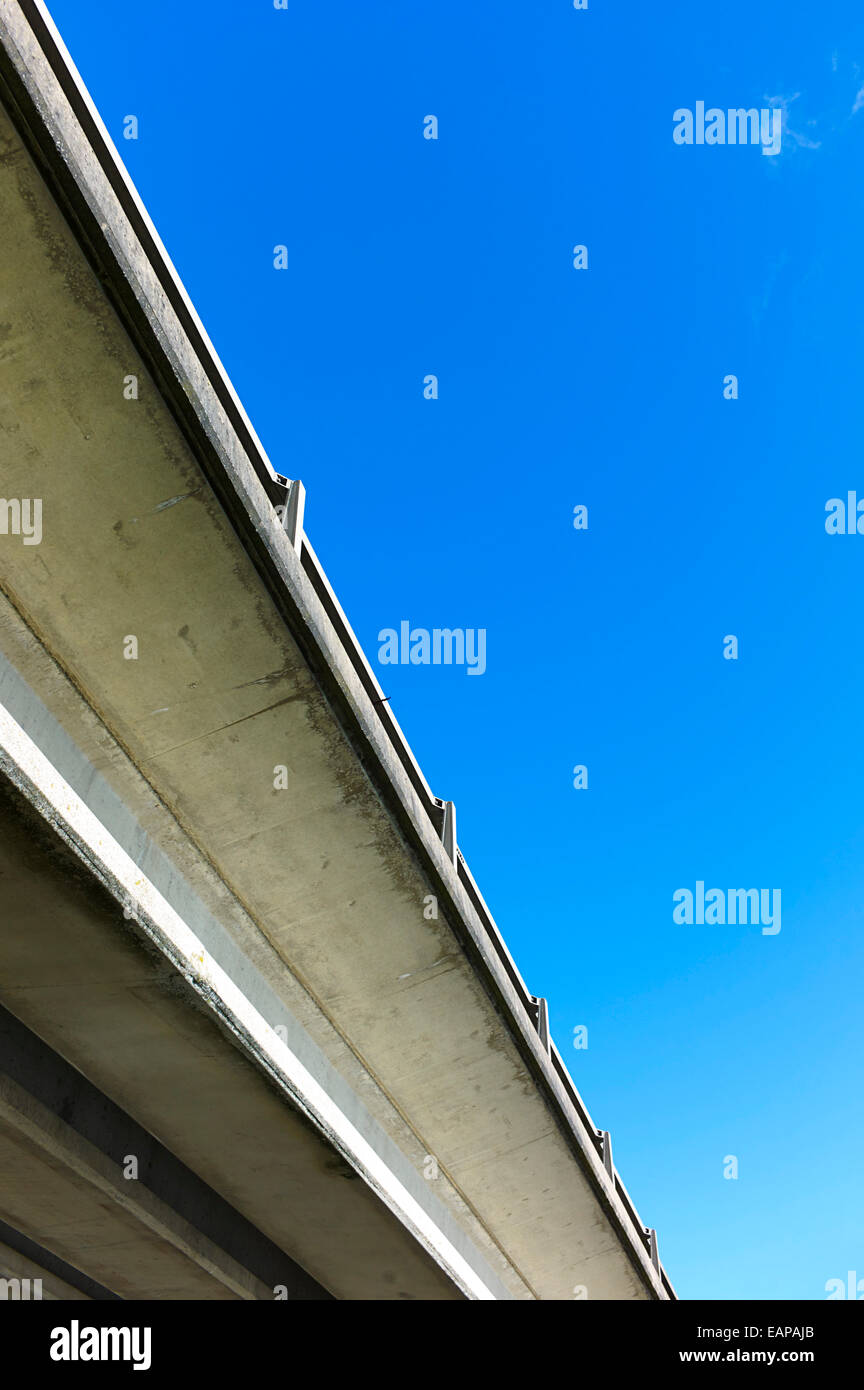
<point x="800" y="138"/>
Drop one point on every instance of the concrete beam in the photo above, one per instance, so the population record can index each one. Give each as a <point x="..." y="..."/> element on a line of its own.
<point x="74" y="1118"/>
<point x="248" y="663"/>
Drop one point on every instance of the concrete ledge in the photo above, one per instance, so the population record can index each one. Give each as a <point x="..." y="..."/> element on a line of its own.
<point x="81" y="166"/>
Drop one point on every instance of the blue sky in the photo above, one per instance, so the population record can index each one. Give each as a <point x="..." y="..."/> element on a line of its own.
<point x="603" y="387"/>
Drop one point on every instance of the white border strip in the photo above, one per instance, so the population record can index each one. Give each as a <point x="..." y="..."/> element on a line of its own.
<point x="204" y="972"/>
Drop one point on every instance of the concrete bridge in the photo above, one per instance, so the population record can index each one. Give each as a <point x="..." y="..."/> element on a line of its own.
<point x="259" y="1035"/>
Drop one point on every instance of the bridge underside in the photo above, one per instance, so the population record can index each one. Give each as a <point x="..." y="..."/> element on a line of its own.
<point x="105" y="1192"/>
<point x="216" y="957"/>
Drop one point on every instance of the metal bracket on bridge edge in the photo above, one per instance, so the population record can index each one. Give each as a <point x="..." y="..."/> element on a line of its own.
<point x="448" y="829"/>
<point x="292" y="510"/>
<point x="542" y="1022"/>
<point x="606" y="1139"/>
<point x="652" y="1247"/>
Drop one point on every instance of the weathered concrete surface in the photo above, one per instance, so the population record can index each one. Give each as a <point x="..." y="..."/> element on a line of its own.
<point x="70" y="1198"/>
<point x="72" y="966"/>
<point x="321" y="885"/>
